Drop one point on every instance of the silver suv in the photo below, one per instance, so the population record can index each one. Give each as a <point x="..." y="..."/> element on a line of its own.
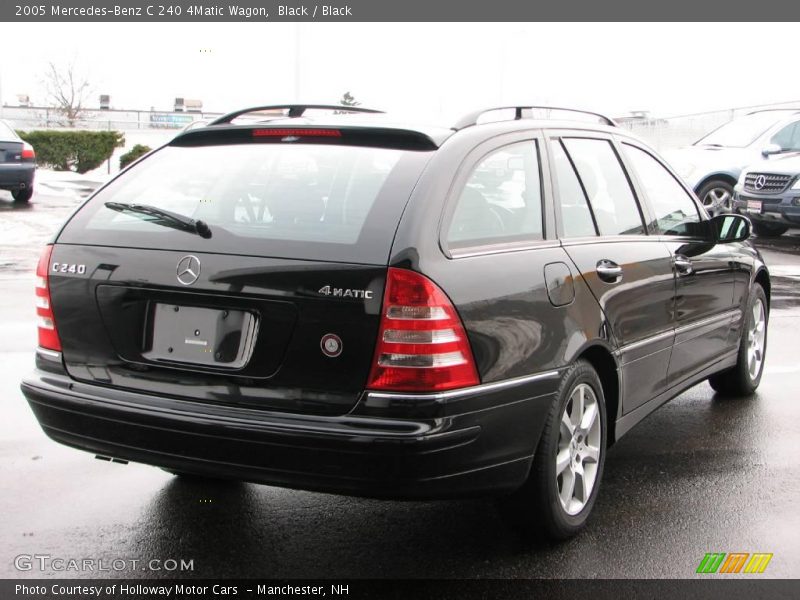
<point x="712" y="165"/>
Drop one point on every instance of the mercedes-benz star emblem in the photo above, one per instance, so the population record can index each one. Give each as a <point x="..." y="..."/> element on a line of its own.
<point x="760" y="182"/>
<point x="188" y="269"/>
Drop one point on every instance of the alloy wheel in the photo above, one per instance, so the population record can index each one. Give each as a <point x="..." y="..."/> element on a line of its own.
<point x="756" y="335"/>
<point x="579" y="447"/>
<point x="717" y="201"/>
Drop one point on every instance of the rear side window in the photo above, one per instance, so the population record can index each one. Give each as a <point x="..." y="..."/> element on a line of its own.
<point x="576" y="216"/>
<point x="312" y="201"/>
<point x="675" y="211"/>
<point x="606" y="185"/>
<point x="502" y="199"/>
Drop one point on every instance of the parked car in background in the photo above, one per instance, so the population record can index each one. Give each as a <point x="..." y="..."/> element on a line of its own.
<point x="17" y="164"/>
<point x="712" y="165"/>
<point x="769" y="193"/>
<point x="346" y="304"/>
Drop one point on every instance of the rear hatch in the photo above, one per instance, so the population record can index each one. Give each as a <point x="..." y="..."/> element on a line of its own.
<point x="10" y="152"/>
<point x="276" y="307"/>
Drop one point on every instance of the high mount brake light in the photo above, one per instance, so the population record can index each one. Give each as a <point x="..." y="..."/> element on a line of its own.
<point x="422" y="345"/>
<point x="297" y="132"/>
<point x="48" y="336"/>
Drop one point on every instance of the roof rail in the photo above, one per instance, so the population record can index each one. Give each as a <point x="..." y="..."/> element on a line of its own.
<point x="295" y="110"/>
<point x="471" y="119"/>
<point x="787" y="109"/>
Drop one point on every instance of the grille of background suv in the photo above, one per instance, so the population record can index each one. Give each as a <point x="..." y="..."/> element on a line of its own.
<point x="773" y="183"/>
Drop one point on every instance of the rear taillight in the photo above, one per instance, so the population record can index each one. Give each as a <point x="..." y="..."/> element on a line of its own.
<point x="422" y="345"/>
<point x="48" y="336"/>
<point x="27" y="152"/>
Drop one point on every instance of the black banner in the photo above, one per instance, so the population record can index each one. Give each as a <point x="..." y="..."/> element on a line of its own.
<point x="551" y="589"/>
<point x="396" y="10"/>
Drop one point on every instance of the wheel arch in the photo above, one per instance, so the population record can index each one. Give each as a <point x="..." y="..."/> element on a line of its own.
<point x="726" y="177"/>
<point x="762" y="278"/>
<point x="603" y="361"/>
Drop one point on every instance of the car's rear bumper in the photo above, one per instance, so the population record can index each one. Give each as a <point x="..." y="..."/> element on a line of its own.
<point x="472" y="443"/>
<point x="16" y="176"/>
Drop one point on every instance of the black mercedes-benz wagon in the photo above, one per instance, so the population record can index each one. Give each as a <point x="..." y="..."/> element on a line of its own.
<point x="335" y="302"/>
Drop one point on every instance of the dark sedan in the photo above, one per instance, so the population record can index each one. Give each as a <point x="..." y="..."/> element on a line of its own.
<point x="17" y="164"/>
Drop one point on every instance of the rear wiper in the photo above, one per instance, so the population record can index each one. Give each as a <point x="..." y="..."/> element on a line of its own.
<point x="164" y="217"/>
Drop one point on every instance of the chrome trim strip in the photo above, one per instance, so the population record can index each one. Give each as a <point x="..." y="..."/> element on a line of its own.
<point x="490" y="249"/>
<point x="650" y="340"/>
<point x="679" y="330"/>
<point x="476" y="389"/>
<point x="708" y="321"/>
<point x="48" y="354"/>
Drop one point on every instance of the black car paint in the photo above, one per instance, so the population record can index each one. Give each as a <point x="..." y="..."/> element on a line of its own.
<point x="285" y="426"/>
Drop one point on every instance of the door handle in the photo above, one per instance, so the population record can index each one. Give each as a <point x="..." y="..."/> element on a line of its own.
<point x="683" y="265"/>
<point x="609" y="271"/>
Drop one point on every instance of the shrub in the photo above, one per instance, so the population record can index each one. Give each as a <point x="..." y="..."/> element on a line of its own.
<point x="133" y="154"/>
<point x="79" y="151"/>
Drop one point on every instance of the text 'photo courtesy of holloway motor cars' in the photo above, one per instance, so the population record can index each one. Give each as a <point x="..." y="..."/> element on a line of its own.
<point x="321" y="298"/>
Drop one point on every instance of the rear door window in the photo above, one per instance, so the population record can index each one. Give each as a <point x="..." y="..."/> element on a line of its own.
<point x="502" y="199"/>
<point x="611" y="198"/>
<point x="312" y="201"/>
<point x="576" y="215"/>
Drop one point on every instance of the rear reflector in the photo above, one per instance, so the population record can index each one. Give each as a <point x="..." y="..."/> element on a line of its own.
<point x="297" y="132"/>
<point x="48" y="336"/>
<point x="422" y="345"/>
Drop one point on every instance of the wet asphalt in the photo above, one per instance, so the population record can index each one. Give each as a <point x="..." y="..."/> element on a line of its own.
<point x="702" y="474"/>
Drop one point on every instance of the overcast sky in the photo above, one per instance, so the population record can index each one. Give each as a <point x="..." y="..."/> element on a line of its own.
<point x="422" y="70"/>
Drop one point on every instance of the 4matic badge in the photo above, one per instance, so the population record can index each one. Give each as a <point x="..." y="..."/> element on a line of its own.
<point x="345" y="292"/>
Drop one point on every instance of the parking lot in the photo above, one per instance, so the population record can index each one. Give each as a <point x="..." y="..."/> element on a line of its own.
<point x="702" y="474"/>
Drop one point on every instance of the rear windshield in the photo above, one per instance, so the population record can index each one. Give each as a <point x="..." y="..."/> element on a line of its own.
<point x="6" y="133"/>
<point x="309" y="201"/>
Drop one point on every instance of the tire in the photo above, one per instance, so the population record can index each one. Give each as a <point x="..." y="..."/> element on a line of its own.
<point x="537" y="506"/>
<point x="743" y="378"/>
<point x="716" y="196"/>
<point x="22" y="195"/>
<point x="769" y="229"/>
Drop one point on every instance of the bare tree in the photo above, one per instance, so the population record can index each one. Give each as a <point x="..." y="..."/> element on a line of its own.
<point x="67" y="90"/>
<point x="348" y="100"/>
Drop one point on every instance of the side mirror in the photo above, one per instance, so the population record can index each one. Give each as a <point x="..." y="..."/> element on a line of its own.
<point x="730" y="228"/>
<point x="771" y="149"/>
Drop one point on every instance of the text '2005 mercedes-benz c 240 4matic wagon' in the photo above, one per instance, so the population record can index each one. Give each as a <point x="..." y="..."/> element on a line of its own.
<point x="341" y="304"/>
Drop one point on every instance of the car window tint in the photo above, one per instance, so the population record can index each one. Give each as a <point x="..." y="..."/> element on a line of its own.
<point x="788" y="138"/>
<point x="610" y="195"/>
<point x="576" y="217"/>
<point x="502" y="199"/>
<point x="674" y="209"/>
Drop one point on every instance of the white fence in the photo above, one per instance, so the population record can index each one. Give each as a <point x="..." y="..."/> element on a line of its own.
<point x="673" y="132"/>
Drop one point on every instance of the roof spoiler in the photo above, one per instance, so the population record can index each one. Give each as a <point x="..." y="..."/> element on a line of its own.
<point x="526" y="112"/>
<point x="294" y="110"/>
